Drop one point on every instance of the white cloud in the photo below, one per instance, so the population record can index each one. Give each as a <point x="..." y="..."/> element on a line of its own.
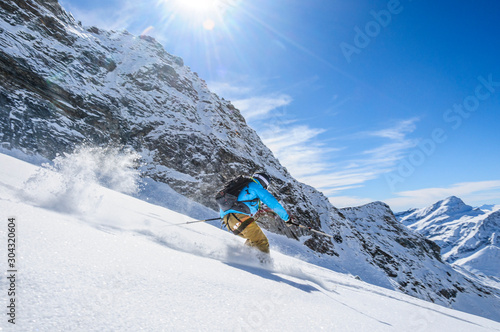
<point x="386" y="155"/>
<point x="473" y="193"/>
<point x="335" y="174"/>
<point x="397" y="132"/>
<point x="252" y="105"/>
<point x="311" y="160"/>
<point x="261" y="107"/>
<point x="297" y="147"/>
<point x="348" y="201"/>
<point x="227" y="90"/>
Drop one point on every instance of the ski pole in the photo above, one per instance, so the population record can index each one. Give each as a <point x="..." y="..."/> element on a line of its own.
<point x="309" y="228"/>
<point x="193" y="221"/>
<point x="267" y="210"/>
<point x="295" y="224"/>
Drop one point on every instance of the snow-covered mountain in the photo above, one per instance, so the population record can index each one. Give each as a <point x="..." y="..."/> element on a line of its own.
<point x="62" y="84"/>
<point x="121" y="266"/>
<point x="468" y="237"/>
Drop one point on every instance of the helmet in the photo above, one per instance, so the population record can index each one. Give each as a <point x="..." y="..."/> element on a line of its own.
<point x="263" y="178"/>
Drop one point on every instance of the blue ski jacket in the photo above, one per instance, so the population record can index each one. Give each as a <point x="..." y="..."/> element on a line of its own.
<point x="256" y="193"/>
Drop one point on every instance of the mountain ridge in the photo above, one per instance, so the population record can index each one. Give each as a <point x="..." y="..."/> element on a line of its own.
<point x="467" y="236"/>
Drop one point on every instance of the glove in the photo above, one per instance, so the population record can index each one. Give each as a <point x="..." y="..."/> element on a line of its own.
<point x="289" y="221"/>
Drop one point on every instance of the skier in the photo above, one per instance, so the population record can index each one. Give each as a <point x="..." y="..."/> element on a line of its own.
<point x="240" y="219"/>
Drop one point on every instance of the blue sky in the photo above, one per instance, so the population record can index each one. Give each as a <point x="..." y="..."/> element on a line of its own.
<point x="397" y="101"/>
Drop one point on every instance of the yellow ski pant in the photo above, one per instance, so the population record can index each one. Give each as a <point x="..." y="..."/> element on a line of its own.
<point x="254" y="235"/>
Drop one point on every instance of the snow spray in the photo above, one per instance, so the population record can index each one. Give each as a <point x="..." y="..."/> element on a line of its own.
<point x="70" y="183"/>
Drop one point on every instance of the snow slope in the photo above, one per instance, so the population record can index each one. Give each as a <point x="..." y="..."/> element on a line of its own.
<point x="112" y="262"/>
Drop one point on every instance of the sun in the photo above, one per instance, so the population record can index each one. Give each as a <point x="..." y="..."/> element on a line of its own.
<point x="203" y="13"/>
<point x="195" y="14"/>
<point x="201" y="6"/>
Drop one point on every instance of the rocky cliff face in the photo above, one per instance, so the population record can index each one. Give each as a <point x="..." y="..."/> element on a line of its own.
<point x="62" y="84"/>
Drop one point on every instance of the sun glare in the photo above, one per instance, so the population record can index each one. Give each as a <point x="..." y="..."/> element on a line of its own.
<point x="205" y="14"/>
<point x="208" y="24"/>
<point x="200" y="5"/>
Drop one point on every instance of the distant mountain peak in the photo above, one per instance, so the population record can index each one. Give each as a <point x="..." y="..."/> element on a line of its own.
<point x="453" y="201"/>
<point x="466" y="235"/>
<point x="445" y="208"/>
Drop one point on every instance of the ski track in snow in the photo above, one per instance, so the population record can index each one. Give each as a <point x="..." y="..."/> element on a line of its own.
<point x="117" y="263"/>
